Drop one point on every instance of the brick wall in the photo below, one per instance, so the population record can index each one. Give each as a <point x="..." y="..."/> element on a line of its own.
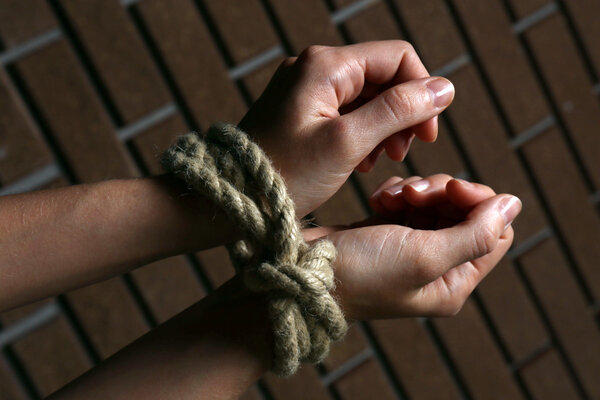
<point x="92" y="90"/>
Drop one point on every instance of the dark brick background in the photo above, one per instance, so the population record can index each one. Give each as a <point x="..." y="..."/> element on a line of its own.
<point x="92" y="90"/>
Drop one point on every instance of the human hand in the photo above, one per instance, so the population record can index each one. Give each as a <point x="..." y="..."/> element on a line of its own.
<point x="456" y="233"/>
<point x="334" y="109"/>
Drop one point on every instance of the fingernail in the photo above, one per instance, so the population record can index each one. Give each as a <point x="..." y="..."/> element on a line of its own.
<point x="465" y="183"/>
<point x="441" y="91"/>
<point x="509" y="208"/>
<point x="420" y="186"/>
<point x="394" y="190"/>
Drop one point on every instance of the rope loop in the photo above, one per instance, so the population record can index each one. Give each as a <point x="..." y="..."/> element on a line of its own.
<point x="229" y="169"/>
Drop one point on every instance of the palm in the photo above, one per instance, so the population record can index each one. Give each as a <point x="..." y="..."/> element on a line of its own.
<point x="386" y="269"/>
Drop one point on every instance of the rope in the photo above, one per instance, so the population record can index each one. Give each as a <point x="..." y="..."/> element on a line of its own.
<point x="233" y="172"/>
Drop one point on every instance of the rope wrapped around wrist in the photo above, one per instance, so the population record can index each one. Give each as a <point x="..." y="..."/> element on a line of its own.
<point x="229" y="169"/>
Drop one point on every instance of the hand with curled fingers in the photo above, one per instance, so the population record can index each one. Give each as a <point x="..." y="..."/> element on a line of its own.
<point x="453" y="233"/>
<point x="335" y="109"/>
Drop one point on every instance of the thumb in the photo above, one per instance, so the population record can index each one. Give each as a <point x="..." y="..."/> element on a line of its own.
<point x="476" y="237"/>
<point x="399" y="107"/>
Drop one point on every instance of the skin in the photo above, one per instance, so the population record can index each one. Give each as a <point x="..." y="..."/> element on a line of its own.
<point x="327" y="112"/>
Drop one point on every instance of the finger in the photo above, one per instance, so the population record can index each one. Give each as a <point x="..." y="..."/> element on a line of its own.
<point x="445" y="296"/>
<point x="435" y="252"/>
<point x="368" y="162"/>
<point x="394" y="110"/>
<point x="396" y="202"/>
<point x="375" y="201"/>
<point x="425" y="192"/>
<point x="467" y="194"/>
<point x="311" y="234"/>
<point x="379" y="63"/>
<point x="458" y="283"/>
<point x="485" y="264"/>
<point x="388" y="183"/>
<point x="427" y="131"/>
<point x="397" y="145"/>
<point x="288" y="62"/>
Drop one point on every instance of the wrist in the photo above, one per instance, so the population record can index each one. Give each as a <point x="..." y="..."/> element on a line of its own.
<point x="170" y="219"/>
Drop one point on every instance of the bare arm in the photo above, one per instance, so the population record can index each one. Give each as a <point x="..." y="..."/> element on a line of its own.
<point x="214" y="349"/>
<point x="56" y="240"/>
<point x="220" y="346"/>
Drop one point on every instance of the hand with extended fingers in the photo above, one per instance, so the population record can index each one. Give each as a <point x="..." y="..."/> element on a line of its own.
<point x="432" y="242"/>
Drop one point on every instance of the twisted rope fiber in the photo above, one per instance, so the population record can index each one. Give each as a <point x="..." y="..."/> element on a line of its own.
<point x="232" y="171"/>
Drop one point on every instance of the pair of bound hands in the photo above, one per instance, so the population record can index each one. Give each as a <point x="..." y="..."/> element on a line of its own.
<point x="336" y="109"/>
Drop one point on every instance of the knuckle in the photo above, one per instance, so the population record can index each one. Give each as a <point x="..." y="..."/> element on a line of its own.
<point x="287" y="62"/>
<point x="312" y="55"/>
<point x="485" y="240"/>
<point x="399" y="103"/>
<point x="442" y="177"/>
<point x="408" y="47"/>
<point x="338" y="138"/>
<point x="424" y="261"/>
<point x="450" y="307"/>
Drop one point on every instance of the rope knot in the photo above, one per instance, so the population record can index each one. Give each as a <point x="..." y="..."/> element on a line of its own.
<point x="233" y="172"/>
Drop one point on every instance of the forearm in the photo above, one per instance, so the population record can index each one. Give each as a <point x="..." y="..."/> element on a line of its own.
<point x="214" y="349"/>
<point x="56" y="240"/>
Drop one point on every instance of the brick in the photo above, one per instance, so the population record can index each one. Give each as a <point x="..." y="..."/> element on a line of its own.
<point x="21" y="20"/>
<point x="438" y="157"/>
<point x="489" y="29"/>
<point x="476" y="356"/>
<point x="245" y="27"/>
<point x="490" y="154"/>
<point x="414" y="358"/>
<point x="432" y="31"/>
<point x="365" y="381"/>
<point x="384" y="169"/>
<point x="584" y="16"/>
<point x="353" y="343"/>
<point x="51" y="354"/>
<point x="22" y="150"/>
<point x="108" y="314"/>
<point x="546" y="378"/>
<point x="56" y="183"/>
<point x="154" y="141"/>
<point x="503" y="294"/>
<point x="251" y="394"/>
<point x="523" y="9"/>
<point x="374" y="23"/>
<point x="169" y="286"/>
<point x="119" y="56"/>
<point x="342" y="208"/>
<point x="345" y="204"/>
<point x="573" y="323"/>
<point x="192" y="58"/>
<point x="9" y="386"/>
<point x="567" y="197"/>
<point x="293" y="16"/>
<point x="509" y="72"/>
<point x="304" y="384"/>
<point x="247" y="33"/>
<point x="216" y="264"/>
<point x="570" y="87"/>
<point x="257" y="81"/>
<point x="106" y="310"/>
<point x="498" y="167"/>
<point x="77" y="120"/>
<point x="472" y="112"/>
